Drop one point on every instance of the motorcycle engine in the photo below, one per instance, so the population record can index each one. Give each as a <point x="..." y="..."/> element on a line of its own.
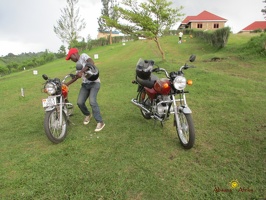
<point x="162" y="108"/>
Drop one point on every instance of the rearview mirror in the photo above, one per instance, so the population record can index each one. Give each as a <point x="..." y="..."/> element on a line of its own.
<point x="192" y="58"/>
<point x="44" y="76"/>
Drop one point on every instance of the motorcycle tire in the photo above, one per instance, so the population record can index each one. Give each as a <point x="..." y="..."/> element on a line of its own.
<point x="53" y="130"/>
<point x="143" y="99"/>
<point x="186" y="134"/>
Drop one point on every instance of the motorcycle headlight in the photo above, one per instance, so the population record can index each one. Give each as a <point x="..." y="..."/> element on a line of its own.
<point x="50" y="88"/>
<point x="180" y="82"/>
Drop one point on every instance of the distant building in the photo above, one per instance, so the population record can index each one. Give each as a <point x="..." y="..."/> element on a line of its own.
<point x="254" y="26"/>
<point x="203" y="21"/>
<point x="105" y="34"/>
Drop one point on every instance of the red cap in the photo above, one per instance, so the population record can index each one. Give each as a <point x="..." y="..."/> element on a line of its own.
<point x="70" y="52"/>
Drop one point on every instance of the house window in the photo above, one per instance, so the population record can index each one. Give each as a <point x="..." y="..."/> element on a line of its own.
<point x="199" y="26"/>
<point x="216" y="26"/>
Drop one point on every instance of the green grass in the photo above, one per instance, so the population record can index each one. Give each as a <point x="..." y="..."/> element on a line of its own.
<point x="132" y="158"/>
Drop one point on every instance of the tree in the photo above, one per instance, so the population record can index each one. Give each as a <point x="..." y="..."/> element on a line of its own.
<point x="107" y="11"/>
<point x="70" y="24"/>
<point x="61" y="52"/>
<point x="148" y="19"/>
<point x="264" y="10"/>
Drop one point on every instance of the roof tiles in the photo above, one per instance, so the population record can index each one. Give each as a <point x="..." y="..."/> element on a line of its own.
<point x="203" y="16"/>
<point x="255" y="25"/>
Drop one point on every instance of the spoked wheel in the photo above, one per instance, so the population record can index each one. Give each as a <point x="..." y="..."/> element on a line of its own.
<point x="55" y="132"/>
<point x="185" y="132"/>
<point x="143" y="99"/>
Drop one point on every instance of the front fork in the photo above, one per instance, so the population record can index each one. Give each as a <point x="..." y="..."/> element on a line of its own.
<point x="60" y="107"/>
<point x="182" y="107"/>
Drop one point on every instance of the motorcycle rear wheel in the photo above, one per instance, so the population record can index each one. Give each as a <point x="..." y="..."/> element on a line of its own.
<point x="143" y="99"/>
<point x="53" y="130"/>
<point x="186" y="133"/>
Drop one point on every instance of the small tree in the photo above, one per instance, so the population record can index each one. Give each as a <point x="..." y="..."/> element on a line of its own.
<point x="148" y="19"/>
<point x="107" y="11"/>
<point x="61" y="52"/>
<point x="70" y="24"/>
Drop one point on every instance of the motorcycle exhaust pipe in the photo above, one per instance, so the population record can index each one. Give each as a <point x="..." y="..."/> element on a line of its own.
<point x="134" y="101"/>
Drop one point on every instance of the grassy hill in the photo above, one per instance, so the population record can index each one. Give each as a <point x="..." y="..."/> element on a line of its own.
<point x="132" y="158"/>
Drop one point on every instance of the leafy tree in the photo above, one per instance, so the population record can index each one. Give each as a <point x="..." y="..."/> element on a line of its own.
<point x="264" y="10"/>
<point x="89" y="41"/>
<point x="107" y="11"/>
<point x="61" y="52"/>
<point x="80" y="45"/>
<point x="3" y="70"/>
<point x="148" y="19"/>
<point x="70" y="24"/>
<point x="12" y="66"/>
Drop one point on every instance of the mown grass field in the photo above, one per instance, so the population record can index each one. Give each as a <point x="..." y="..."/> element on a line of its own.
<point x="132" y="158"/>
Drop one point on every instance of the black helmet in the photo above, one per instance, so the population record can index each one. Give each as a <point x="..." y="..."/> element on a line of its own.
<point x="92" y="73"/>
<point x="144" y="68"/>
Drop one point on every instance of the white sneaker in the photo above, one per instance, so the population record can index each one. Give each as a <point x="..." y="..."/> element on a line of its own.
<point x="87" y="120"/>
<point x="99" y="126"/>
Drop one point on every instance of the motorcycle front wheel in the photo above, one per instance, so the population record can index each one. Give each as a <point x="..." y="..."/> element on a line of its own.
<point x="55" y="132"/>
<point x="186" y="131"/>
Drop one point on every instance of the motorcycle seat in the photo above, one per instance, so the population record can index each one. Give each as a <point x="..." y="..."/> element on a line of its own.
<point x="149" y="83"/>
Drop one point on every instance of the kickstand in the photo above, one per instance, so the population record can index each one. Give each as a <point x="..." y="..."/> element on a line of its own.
<point x="155" y="121"/>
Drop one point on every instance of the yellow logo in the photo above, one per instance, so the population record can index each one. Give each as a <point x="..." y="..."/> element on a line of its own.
<point x="234" y="184"/>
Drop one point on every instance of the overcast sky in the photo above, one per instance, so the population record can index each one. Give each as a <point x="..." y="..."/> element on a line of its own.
<point x="27" y="25"/>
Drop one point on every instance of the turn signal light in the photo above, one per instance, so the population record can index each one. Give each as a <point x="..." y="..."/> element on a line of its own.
<point x="166" y="86"/>
<point x="189" y="82"/>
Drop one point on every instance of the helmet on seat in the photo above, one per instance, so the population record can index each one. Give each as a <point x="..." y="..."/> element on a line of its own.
<point x="144" y="68"/>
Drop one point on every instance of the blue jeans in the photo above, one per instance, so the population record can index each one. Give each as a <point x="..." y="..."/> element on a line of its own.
<point x="90" y="90"/>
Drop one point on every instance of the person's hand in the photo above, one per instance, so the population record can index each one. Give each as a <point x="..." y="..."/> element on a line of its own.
<point x="79" y="74"/>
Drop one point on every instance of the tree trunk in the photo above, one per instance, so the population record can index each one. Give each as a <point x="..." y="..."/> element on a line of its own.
<point x="110" y="39"/>
<point x="159" y="47"/>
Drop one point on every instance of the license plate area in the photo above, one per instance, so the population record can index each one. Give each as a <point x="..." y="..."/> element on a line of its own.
<point x="50" y="101"/>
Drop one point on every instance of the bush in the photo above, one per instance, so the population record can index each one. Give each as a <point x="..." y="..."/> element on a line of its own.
<point x="3" y="70"/>
<point x="256" y="45"/>
<point x="217" y="38"/>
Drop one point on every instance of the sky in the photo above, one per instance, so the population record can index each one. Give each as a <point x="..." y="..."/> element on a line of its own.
<point x="27" y="26"/>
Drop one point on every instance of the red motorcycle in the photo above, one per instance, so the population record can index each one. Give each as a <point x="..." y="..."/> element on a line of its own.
<point x="157" y="99"/>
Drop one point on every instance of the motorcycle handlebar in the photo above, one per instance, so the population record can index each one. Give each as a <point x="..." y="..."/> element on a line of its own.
<point x="158" y="69"/>
<point x="69" y="75"/>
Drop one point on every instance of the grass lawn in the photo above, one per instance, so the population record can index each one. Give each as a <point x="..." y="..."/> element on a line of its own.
<point x="134" y="158"/>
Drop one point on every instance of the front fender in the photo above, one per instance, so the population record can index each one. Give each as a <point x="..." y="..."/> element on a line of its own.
<point x="185" y="110"/>
<point x="49" y="108"/>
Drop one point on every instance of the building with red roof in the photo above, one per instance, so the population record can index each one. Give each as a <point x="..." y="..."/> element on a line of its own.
<point x="203" y="21"/>
<point x="254" y="26"/>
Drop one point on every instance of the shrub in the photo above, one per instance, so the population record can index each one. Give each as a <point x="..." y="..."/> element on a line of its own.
<point x="256" y="45"/>
<point x="217" y="38"/>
